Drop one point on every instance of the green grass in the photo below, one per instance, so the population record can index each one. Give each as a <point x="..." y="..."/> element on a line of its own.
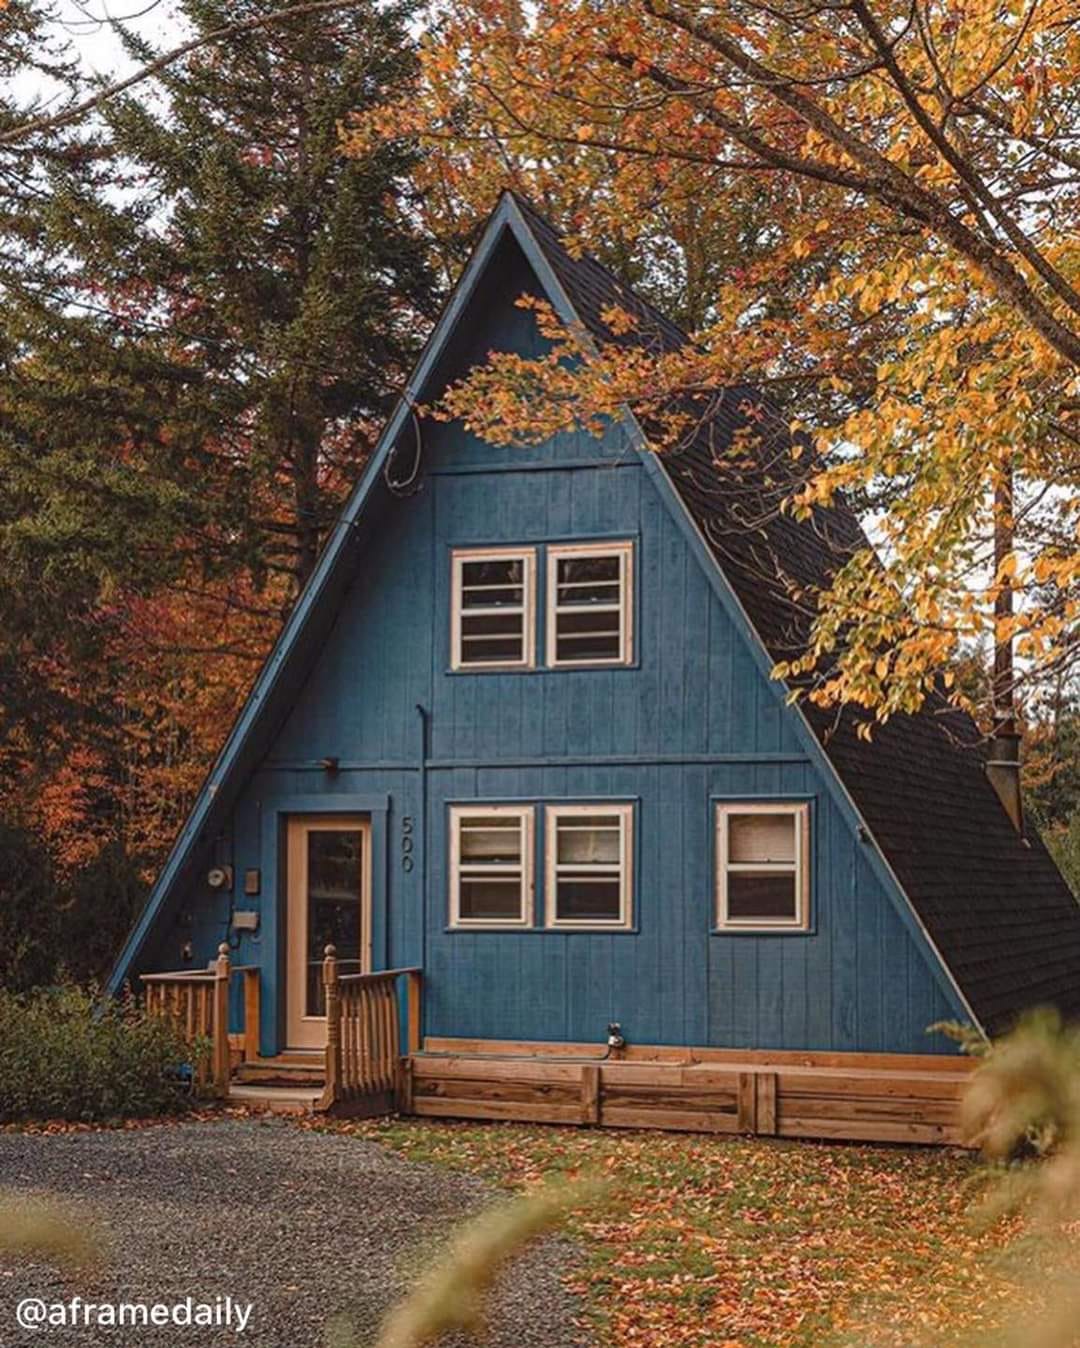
<point x="718" y="1243"/>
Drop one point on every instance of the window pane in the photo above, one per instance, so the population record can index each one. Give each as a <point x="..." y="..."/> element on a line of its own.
<point x="492" y="637"/>
<point x="499" y="652"/>
<point x="589" y="838"/>
<point x="589" y="580"/>
<point x="490" y="898"/>
<point x="761" y="837"/>
<point x="491" y="840"/>
<point x="476" y="625"/>
<point x="761" y="894"/>
<point x="596" y="645"/>
<point x="585" y="622"/>
<point x="491" y="584"/>
<point x="584" y="898"/>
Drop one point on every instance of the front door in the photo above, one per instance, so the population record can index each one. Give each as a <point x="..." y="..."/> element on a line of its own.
<point x="328" y="902"/>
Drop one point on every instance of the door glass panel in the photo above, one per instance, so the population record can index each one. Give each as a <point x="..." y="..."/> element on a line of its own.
<point x="334" y="870"/>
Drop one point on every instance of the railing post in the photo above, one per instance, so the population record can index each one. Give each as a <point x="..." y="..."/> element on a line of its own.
<point x="252" y="1013"/>
<point x="414" y="992"/>
<point x="333" y="1026"/>
<point x="221" y="1022"/>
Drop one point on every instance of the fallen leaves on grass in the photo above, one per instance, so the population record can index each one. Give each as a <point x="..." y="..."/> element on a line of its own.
<point x="731" y="1243"/>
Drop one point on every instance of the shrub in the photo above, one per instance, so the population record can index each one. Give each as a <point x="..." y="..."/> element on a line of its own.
<point x="65" y="1054"/>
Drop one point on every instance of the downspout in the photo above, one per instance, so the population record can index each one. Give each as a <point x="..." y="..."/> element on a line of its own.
<point x="425" y="754"/>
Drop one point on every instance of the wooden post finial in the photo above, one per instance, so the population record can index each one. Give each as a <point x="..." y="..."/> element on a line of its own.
<point x="221" y="1065"/>
<point x="332" y="1090"/>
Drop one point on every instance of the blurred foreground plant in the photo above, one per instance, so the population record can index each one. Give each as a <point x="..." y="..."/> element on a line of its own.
<point x="451" y="1297"/>
<point x="1027" y="1091"/>
<point x="34" y="1229"/>
<point x="1023" y="1110"/>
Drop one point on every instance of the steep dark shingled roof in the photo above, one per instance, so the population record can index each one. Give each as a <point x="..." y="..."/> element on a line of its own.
<point x="993" y="903"/>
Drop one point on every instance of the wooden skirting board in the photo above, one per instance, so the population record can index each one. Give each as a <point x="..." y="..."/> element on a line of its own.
<point x="856" y="1097"/>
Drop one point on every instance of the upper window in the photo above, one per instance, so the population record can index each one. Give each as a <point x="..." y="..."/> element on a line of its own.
<point x="762" y="866"/>
<point x="589" y="604"/>
<point x="492" y="609"/>
<point x="491" y="865"/>
<point x="589" y="864"/>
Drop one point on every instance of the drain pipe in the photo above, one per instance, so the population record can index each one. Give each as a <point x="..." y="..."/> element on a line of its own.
<point x="425" y="754"/>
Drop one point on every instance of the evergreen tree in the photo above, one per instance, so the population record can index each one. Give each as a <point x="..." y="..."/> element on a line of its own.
<point x="207" y="310"/>
<point x="234" y="295"/>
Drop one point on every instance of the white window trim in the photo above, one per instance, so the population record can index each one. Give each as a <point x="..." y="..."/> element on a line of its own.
<point x="625" y="814"/>
<point x="801" y="812"/>
<point x="526" y="815"/>
<point x="624" y="550"/>
<point x="458" y="558"/>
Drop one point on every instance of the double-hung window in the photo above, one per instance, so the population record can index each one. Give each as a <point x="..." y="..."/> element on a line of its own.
<point x="588" y="866"/>
<point x="762" y="866"/>
<point x="589" y="863"/>
<point x="493" y="599"/>
<point x="491" y="865"/>
<point x="590" y="604"/>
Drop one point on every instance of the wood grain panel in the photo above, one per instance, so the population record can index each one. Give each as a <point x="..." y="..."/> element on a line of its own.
<point x="884" y="1099"/>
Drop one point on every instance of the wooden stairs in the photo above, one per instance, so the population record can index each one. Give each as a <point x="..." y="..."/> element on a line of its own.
<point x="291" y="1083"/>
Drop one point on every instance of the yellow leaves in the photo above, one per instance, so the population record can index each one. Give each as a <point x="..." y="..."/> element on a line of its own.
<point x="1007" y="568"/>
<point x="619" y="320"/>
<point x="912" y="372"/>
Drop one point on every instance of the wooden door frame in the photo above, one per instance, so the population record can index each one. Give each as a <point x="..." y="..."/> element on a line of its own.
<point x="298" y="827"/>
<point x="275" y="810"/>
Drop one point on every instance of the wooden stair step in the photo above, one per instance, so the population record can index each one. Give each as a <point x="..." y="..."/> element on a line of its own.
<point x="275" y="1099"/>
<point x="273" y="1071"/>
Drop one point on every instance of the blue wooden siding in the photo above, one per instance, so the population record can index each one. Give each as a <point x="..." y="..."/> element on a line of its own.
<point x="692" y="721"/>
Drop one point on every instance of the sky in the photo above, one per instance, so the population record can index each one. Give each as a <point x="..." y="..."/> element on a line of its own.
<point x="95" y="41"/>
<point x="86" y="27"/>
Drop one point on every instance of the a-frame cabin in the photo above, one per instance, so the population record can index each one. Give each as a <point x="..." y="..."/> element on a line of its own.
<point x="519" y="737"/>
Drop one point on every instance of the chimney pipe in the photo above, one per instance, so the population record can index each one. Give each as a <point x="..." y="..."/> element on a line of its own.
<point x="1003" y="769"/>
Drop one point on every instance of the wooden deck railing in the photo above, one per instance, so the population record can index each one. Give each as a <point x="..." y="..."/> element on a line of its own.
<point x="363" y="1034"/>
<point x="197" y="1001"/>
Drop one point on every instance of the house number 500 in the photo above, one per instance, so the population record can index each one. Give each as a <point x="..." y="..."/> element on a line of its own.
<point x="406" y="842"/>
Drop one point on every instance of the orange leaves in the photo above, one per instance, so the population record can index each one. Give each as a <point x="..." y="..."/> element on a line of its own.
<point x="919" y="373"/>
<point x="727" y="1242"/>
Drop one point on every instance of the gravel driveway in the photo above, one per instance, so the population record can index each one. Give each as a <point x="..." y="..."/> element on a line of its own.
<point x="302" y="1225"/>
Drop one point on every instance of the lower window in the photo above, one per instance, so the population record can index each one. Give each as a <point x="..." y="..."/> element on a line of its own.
<point x="588" y="865"/>
<point x="762" y="866"/>
<point x="491" y="876"/>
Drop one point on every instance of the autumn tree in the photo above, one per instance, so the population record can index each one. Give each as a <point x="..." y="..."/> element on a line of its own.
<point x="912" y="170"/>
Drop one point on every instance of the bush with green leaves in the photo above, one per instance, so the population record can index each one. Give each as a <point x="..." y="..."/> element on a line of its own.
<point x="67" y="1054"/>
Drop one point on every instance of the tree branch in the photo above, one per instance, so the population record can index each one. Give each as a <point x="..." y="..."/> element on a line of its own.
<point x="956" y="161"/>
<point x="887" y="181"/>
<point x="17" y="133"/>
